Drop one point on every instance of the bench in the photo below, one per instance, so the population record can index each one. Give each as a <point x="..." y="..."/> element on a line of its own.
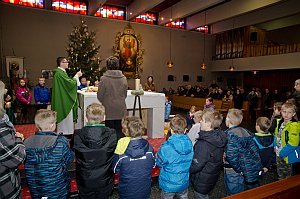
<point x="221" y="105"/>
<point x="284" y="189"/>
<point x="187" y="102"/>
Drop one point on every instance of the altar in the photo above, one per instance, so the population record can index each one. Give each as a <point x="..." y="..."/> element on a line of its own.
<point x="153" y="102"/>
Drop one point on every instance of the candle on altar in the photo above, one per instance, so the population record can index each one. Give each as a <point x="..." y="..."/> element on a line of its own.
<point x="137" y="84"/>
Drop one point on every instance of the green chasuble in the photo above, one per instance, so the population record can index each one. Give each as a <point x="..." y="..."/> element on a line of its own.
<point x="64" y="95"/>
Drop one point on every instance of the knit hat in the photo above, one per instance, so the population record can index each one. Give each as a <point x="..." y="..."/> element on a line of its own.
<point x="112" y="63"/>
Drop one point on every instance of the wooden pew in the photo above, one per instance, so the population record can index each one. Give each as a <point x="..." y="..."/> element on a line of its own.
<point x="221" y="105"/>
<point x="187" y="102"/>
<point x="284" y="189"/>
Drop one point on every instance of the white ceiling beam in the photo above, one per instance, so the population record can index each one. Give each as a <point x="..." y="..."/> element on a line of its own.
<point x="185" y="8"/>
<point x="138" y="7"/>
<point x="94" y="6"/>
<point x="228" y="10"/>
<point x="277" y="11"/>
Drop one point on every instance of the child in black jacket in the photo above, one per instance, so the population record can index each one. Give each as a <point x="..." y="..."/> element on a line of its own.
<point x="266" y="143"/>
<point x="208" y="154"/>
<point x="94" y="147"/>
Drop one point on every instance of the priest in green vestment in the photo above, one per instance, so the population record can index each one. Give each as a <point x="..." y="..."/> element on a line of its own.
<point x="64" y="97"/>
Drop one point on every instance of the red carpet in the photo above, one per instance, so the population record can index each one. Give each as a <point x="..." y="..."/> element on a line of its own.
<point x="29" y="129"/>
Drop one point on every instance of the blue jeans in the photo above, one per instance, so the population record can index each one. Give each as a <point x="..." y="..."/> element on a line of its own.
<point x="170" y="195"/>
<point x="234" y="182"/>
<point x="200" y="195"/>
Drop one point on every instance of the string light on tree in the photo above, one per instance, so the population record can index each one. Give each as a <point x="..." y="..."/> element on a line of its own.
<point x="83" y="52"/>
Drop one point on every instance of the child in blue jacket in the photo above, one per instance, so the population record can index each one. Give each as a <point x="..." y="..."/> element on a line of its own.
<point x="175" y="158"/>
<point x="243" y="165"/>
<point x="134" y="160"/>
<point x="47" y="157"/>
<point x="42" y="94"/>
<point x="168" y="105"/>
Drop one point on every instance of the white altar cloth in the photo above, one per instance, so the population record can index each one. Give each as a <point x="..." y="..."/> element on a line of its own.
<point x="154" y="102"/>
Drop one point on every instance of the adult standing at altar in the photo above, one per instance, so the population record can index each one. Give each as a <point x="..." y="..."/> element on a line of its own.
<point x="112" y="92"/>
<point x="64" y="97"/>
<point x="149" y="85"/>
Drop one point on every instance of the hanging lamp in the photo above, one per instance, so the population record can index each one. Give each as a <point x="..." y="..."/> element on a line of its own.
<point x="231" y="67"/>
<point x="170" y="63"/>
<point x="203" y="65"/>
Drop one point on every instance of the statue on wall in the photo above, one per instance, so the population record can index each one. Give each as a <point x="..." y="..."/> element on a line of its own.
<point x="128" y="49"/>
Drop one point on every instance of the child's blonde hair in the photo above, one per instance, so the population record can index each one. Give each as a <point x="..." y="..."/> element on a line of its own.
<point x="198" y="116"/>
<point x="212" y="116"/>
<point x="264" y="123"/>
<point x="289" y="105"/>
<point x="192" y="109"/>
<point x="278" y="105"/>
<point x="235" y="116"/>
<point x="95" y="113"/>
<point x="135" y="127"/>
<point x="44" y="119"/>
<point x="178" y="124"/>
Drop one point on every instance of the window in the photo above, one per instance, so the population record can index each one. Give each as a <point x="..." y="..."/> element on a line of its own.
<point x="29" y="3"/>
<point x="203" y="29"/>
<point x="71" y="6"/>
<point x="111" y="12"/>
<point x="148" y="17"/>
<point x="178" y="23"/>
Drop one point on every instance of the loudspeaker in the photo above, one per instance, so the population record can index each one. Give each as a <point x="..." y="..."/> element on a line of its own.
<point x="185" y="78"/>
<point x="199" y="78"/>
<point x="171" y="78"/>
<point x="253" y="36"/>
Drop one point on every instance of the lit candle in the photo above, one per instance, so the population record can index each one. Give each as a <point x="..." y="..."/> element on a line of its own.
<point x="137" y="84"/>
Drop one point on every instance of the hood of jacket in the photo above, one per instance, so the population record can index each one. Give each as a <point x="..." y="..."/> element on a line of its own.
<point x="94" y="137"/>
<point x="181" y="143"/>
<point x="241" y="135"/>
<point x="40" y="146"/>
<point x="215" y="137"/>
<point x="137" y="148"/>
<point x="264" y="139"/>
<point x="113" y="74"/>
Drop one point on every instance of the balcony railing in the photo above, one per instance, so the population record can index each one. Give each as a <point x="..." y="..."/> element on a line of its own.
<point x="259" y="50"/>
<point x="265" y="50"/>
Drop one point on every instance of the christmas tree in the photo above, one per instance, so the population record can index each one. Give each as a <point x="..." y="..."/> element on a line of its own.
<point x="82" y="53"/>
